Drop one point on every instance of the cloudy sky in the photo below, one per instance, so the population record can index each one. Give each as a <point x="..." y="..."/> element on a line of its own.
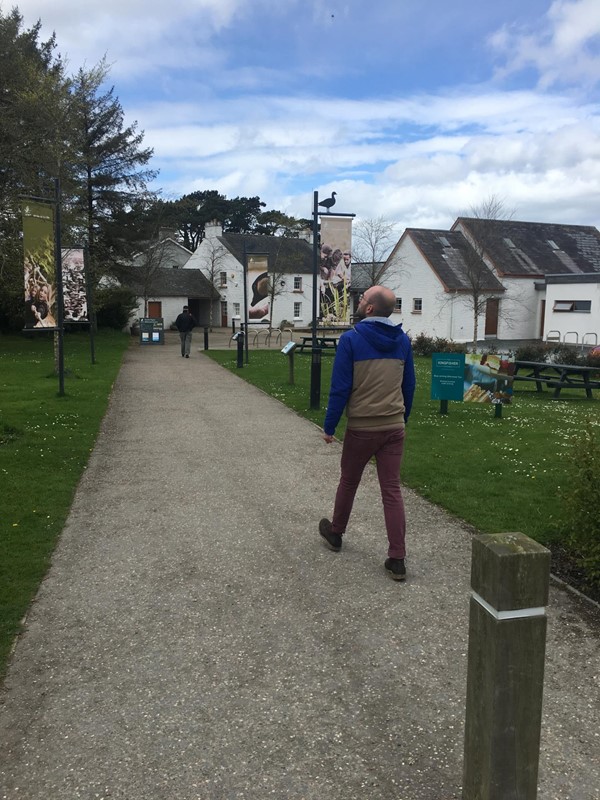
<point x="414" y="110"/>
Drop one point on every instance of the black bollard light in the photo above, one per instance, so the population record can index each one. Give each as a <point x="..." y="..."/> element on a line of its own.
<point x="206" y="338"/>
<point x="239" y="337"/>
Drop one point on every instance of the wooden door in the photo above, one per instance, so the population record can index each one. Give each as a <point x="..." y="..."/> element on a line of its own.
<point x="224" y="321"/>
<point x="154" y="309"/>
<point x="491" y="316"/>
<point x="542" y="319"/>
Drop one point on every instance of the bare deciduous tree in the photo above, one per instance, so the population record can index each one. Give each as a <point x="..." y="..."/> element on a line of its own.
<point x="477" y="275"/>
<point x="372" y="241"/>
<point x="215" y="255"/>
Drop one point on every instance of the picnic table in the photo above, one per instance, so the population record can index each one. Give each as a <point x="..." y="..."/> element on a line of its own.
<point x="322" y="341"/>
<point x="557" y="376"/>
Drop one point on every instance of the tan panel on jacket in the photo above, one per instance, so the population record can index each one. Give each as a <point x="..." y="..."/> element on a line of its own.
<point x="376" y="401"/>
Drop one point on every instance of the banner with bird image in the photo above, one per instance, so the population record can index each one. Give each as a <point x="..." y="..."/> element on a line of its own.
<point x="334" y="269"/>
<point x="258" y="288"/>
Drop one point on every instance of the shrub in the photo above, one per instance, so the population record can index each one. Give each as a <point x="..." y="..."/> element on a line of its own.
<point x="114" y="305"/>
<point x="593" y="360"/>
<point x="533" y="351"/>
<point x="581" y="501"/>
<point x="424" y="345"/>
<point x="564" y="354"/>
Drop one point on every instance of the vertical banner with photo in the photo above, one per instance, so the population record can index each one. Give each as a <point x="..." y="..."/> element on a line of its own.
<point x="334" y="269"/>
<point x="258" y="287"/>
<point x="74" y="285"/>
<point x="40" y="267"/>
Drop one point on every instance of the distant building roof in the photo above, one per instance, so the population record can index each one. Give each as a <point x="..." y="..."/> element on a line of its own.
<point x="536" y="248"/>
<point x="168" y="282"/>
<point x="451" y="257"/>
<point x="593" y="277"/>
<point x="284" y="254"/>
<point x="362" y="274"/>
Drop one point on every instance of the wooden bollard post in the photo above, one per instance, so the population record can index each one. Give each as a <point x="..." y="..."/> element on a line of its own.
<point x="505" y="674"/>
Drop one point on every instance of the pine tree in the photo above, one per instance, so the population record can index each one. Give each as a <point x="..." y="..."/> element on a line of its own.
<point x="111" y="164"/>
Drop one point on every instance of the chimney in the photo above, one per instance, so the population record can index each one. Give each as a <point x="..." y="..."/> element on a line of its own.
<point x="213" y="229"/>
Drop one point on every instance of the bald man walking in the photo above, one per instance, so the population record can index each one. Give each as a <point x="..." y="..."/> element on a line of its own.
<point x="374" y="381"/>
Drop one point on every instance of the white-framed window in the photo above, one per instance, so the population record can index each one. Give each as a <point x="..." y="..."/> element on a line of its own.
<point x="222" y="279"/>
<point x="398" y="306"/>
<point x="417" y="305"/>
<point x="236" y="309"/>
<point x="583" y="306"/>
<point x="297" y="310"/>
<point x="297" y="283"/>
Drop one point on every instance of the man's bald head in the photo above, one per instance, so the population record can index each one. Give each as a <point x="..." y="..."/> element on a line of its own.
<point x="382" y="301"/>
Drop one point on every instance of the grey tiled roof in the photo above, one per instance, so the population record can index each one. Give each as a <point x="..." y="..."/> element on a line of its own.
<point x="189" y="283"/>
<point x="285" y="255"/>
<point x="536" y="248"/>
<point x="450" y="255"/>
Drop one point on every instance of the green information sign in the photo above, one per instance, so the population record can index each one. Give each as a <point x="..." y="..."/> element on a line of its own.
<point x="447" y="376"/>
<point x="152" y="331"/>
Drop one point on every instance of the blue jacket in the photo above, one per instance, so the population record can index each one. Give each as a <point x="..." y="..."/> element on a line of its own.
<point x="373" y="378"/>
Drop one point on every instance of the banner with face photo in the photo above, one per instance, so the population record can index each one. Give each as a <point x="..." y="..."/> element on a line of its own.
<point x="258" y="287"/>
<point x="334" y="269"/>
<point x="40" y="268"/>
<point x="74" y="285"/>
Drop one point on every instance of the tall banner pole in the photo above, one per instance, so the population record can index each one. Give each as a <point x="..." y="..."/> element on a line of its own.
<point x="315" y="366"/>
<point x="59" y="289"/>
<point x="245" y="270"/>
<point x="315" y="244"/>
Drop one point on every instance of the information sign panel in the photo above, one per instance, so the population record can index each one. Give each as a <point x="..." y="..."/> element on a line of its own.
<point x="447" y="376"/>
<point x="152" y="331"/>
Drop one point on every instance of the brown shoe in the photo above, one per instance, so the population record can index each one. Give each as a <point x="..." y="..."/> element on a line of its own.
<point x="332" y="540"/>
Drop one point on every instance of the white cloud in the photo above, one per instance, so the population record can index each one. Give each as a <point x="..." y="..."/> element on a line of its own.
<point x="564" y="49"/>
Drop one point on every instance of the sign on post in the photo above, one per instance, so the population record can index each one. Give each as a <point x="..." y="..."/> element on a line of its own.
<point x="152" y="331"/>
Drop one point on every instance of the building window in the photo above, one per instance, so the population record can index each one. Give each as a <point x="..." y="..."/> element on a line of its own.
<point x="297" y="284"/>
<point x="583" y="306"/>
<point x="297" y="310"/>
<point x="398" y="306"/>
<point x="222" y="279"/>
<point x="236" y="309"/>
<point x="417" y="305"/>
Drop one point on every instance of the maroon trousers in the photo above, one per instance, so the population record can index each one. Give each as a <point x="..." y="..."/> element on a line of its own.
<point x="358" y="448"/>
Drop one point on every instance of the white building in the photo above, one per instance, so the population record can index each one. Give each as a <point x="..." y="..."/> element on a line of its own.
<point x="289" y="263"/>
<point x="521" y="269"/>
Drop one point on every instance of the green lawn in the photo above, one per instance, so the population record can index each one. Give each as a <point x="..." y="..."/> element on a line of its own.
<point x="497" y="474"/>
<point x="45" y="442"/>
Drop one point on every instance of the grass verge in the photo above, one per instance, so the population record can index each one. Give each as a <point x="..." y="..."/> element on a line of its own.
<point x="496" y="474"/>
<point x="45" y="443"/>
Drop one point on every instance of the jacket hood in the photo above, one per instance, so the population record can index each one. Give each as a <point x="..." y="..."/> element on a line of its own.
<point x="379" y="335"/>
